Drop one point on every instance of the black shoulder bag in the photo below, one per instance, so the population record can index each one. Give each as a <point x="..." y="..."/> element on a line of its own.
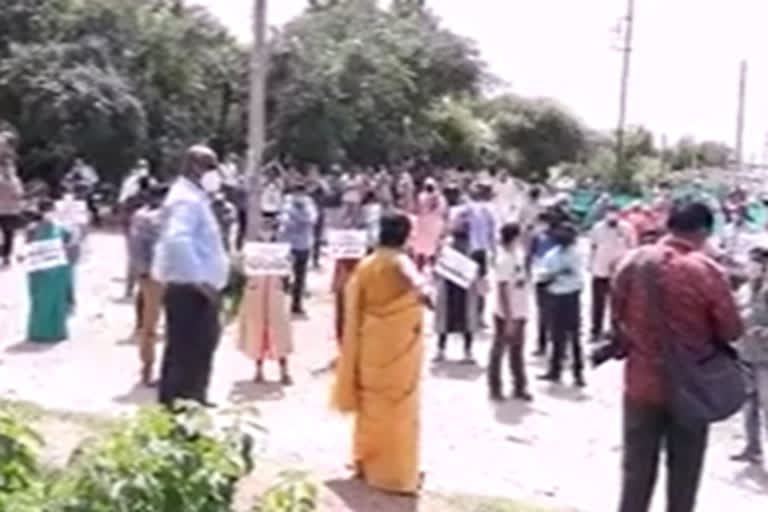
<point x="701" y="387"/>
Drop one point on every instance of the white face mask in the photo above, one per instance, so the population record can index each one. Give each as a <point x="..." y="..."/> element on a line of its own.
<point x="211" y="182"/>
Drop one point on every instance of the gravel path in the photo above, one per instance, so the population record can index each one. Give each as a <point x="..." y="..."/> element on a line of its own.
<point x="563" y="449"/>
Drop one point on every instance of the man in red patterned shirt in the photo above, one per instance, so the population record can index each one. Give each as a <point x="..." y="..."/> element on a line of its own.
<point x="697" y="305"/>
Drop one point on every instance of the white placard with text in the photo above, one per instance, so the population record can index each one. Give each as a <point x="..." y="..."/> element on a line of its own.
<point x="72" y="213"/>
<point x="266" y="259"/>
<point x="456" y="267"/>
<point x="45" y="255"/>
<point x="347" y="243"/>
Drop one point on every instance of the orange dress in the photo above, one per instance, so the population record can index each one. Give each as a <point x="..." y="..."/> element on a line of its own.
<point x="378" y="374"/>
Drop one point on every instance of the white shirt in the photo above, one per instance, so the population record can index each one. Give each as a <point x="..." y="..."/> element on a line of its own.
<point x="271" y="198"/>
<point x="511" y="270"/>
<point x="529" y="213"/>
<point x="609" y="245"/>
<point x="737" y="242"/>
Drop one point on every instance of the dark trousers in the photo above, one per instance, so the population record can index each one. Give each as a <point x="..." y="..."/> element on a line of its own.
<point x="317" y="245"/>
<point x="646" y="429"/>
<point x="242" y="227"/>
<point x="544" y="324"/>
<point x="565" y="316"/>
<point x="504" y="344"/>
<point x="481" y="258"/>
<point x="93" y="209"/>
<point x="8" y="225"/>
<point x="192" y="335"/>
<point x="300" y="264"/>
<point x="601" y="286"/>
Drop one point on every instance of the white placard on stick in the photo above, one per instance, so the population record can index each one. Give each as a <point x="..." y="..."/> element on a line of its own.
<point x="45" y="255"/>
<point x="456" y="267"/>
<point x="72" y="213"/>
<point x="347" y="243"/>
<point x="266" y="259"/>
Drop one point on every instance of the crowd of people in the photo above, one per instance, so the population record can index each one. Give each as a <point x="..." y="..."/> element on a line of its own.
<point x="184" y="240"/>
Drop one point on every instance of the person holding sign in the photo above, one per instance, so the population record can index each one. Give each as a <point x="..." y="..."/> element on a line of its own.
<point x="266" y="332"/>
<point x="49" y="278"/>
<point x="378" y="375"/>
<point x="457" y="307"/>
<point x="351" y="218"/>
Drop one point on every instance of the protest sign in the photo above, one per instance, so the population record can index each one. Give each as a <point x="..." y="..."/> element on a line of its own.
<point x="456" y="267"/>
<point x="347" y="243"/>
<point x="266" y="259"/>
<point x="72" y="213"/>
<point x="45" y="255"/>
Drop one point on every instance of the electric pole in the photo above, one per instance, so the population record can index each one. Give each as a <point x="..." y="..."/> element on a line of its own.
<point x="629" y="20"/>
<point x="740" y="116"/>
<point x="256" y="117"/>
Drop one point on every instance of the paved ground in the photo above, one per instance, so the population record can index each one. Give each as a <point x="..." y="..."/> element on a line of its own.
<point x="562" y="449"/>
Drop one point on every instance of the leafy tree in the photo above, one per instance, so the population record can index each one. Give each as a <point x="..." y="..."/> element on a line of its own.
<point x="542" y="131"/>
<point x="111" y="82"/>
<point x="355" y="81"/>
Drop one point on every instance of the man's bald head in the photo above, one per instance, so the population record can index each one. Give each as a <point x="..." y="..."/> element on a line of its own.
<point x="197" y="160"/>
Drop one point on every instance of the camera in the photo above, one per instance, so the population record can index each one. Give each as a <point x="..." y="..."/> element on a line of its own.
<point x="608" y="349"/>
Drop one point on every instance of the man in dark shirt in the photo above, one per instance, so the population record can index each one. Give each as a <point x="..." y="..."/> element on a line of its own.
<point x="698" y="306"/>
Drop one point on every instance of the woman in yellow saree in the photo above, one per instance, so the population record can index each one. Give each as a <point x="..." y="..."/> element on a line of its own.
<point x="378" y="376"/>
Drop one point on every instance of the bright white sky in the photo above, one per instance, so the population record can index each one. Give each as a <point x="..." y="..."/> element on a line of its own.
<point x="684" y="77"/>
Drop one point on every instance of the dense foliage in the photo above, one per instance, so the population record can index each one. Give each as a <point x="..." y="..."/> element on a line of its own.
<point x="19" y="468"/>
<point x="112" y="83"/>
<point x="349" y="81"/>
<point x="152" y="463"/>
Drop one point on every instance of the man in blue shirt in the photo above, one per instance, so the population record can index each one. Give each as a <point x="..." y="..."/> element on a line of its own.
<point x="191" y="262"/>
<point x="297" y="227"/>
<point x="561" y="270"/>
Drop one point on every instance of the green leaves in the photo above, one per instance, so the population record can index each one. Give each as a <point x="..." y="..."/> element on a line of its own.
<point x="114" y="83"/>
<point x="157" y="462"/>
<point x="292" y="493"/>
<point x="20" y="487"/>
<point x="345" y="77"/>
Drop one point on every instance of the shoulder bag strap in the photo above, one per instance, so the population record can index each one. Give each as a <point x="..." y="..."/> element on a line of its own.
<point x="650" y="274"/>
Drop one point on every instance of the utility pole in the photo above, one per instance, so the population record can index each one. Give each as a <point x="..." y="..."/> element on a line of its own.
<point x="629" y="20"/>
<point x="740" y="116"/>
<point x="256" y="117"/>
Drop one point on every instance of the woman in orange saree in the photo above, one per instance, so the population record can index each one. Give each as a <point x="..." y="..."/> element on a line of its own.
<point x="378" y="375"/>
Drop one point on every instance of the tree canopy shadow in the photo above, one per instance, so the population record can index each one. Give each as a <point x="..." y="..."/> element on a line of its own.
<point x="30" y="347"/>
<point x="358" y="497"/>
<point x="456" y="370"/>
<point x="138" y="395"/>
<point x="246" y="391"/>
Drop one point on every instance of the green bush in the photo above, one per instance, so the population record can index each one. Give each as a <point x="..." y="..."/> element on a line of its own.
<point x="292" y="493"/>
<point x="158" y="462"/>
<point x="20" y="475"/>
